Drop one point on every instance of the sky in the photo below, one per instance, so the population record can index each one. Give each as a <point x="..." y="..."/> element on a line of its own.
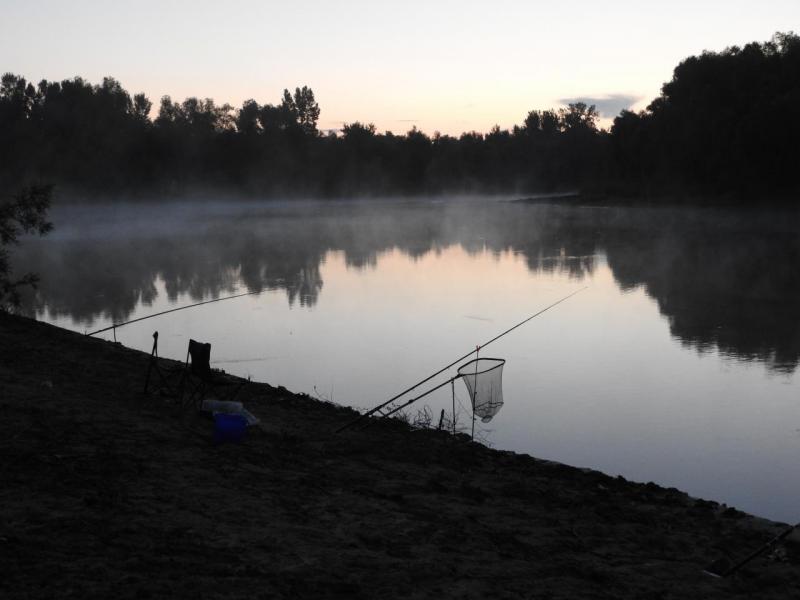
<point x="439" y="65"/>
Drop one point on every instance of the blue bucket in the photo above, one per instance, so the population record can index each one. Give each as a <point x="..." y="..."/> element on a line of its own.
<point x="229" y="428"/>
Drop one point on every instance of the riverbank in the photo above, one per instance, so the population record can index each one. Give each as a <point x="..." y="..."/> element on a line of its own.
<point x="110" y="493"/>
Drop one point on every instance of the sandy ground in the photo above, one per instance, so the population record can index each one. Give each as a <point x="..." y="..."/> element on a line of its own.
<point x="110" y="493"/>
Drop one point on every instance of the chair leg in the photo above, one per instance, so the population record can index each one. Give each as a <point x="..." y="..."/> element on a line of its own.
<point x="196" y="395"/>
<point x="153" y="355"/>
<point x="184" y="376"/>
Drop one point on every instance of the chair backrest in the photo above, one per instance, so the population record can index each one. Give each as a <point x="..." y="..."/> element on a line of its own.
<point x="201" y="358"/>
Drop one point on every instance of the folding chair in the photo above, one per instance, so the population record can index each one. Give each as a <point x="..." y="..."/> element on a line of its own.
<point x="199" y="380"/>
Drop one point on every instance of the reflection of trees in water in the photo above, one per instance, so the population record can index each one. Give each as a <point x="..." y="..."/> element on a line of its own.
<point x="108" y="276"/>
<point x="735" y="291"/>
<point x="722" y="280"/>
<point x="87" y="280"/>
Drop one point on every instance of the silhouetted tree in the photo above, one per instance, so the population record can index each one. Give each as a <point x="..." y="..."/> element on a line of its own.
<point x="141" y="108"/>
<point x="533" y="122"/>
<point x="551" y="122"/>
<point x="720" y="126"/>
<point x="579" y="116"/>
<point x="247" y="118"/>
<point x="278" y="118"/>
<point x="307" y="109"/>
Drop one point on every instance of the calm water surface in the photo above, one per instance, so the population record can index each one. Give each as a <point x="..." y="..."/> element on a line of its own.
<point x="677" y="365"/>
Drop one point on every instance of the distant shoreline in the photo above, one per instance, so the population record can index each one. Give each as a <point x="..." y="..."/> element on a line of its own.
<point x="69" y="196"/>
<point x="661" y="200"/>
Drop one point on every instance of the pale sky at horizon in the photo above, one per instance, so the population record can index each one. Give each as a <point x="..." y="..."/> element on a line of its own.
<point x="440" y="65"/>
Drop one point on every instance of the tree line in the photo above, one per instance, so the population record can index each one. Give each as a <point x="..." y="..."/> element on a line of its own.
<point x="721" y="126"/>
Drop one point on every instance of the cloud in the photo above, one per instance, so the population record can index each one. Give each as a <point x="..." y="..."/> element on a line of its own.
<point x="608" y="106"/>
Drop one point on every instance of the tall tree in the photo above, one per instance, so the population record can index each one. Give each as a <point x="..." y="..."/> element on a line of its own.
<point x="307" y="109"/>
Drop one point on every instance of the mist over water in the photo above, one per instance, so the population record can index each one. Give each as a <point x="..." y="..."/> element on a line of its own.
<point x="678" y="364"/>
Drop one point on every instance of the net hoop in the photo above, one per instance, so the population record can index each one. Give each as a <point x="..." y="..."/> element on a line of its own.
<point x="481" y="367"/>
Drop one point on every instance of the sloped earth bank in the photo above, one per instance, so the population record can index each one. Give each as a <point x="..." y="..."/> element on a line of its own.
<point x="108" y="493"/>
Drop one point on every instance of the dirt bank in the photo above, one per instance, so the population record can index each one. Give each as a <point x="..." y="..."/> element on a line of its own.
<point x="108" y="493"/>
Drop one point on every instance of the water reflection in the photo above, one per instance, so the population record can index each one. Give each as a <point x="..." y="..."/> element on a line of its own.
<point x="724" y="280"/>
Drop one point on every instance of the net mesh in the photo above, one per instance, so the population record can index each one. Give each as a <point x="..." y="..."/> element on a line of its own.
<point x="484" y="380"/>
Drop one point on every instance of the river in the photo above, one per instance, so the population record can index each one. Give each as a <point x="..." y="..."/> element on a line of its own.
<point x="677" y="364"/>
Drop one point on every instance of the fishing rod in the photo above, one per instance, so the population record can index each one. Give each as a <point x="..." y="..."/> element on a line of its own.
<point x="422" y="395"/>
<point x="719" y="568"/>
<point x="164" y="312"/>
<point x="371" y="412"/>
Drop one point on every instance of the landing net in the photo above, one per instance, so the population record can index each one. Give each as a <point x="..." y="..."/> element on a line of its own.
<point x="484" y="380"/>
